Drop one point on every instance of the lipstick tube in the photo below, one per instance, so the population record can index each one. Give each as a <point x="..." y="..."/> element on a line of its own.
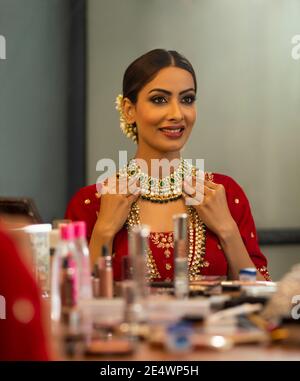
<point x="96" y="281"/>
<point x="106" y="274"/>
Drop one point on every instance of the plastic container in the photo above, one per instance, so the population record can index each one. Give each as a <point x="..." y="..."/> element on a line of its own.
<point x="248" y="274"/>
<point x="179" y="337"/>
<point x="39" y="235"/>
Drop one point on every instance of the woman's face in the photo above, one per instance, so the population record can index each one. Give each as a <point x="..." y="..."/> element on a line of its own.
<point x="165" y="110"/>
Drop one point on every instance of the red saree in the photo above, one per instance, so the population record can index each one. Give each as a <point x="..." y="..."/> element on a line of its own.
<point x="85" y="206"/>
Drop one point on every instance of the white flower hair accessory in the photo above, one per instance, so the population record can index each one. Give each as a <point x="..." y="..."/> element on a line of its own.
<point x="128" y="129"/>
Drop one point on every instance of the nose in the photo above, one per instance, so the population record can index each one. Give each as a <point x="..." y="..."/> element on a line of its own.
<point x="175" y="112"/>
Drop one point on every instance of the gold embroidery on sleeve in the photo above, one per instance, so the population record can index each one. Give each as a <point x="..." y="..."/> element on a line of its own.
<point x="264" y="272"/>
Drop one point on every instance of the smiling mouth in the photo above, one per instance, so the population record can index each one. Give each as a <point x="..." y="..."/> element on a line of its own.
<point x="172" y="132"/>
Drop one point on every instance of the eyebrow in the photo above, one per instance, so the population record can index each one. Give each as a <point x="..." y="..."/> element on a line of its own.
<point x="169" y="92"/>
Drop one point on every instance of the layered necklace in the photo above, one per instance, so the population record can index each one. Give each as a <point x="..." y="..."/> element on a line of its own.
<point x="159" y="190"/>
<point x="196" y="236"/>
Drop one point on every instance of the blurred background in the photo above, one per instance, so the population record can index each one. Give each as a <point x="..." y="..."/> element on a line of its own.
<point x="63" y="68"/>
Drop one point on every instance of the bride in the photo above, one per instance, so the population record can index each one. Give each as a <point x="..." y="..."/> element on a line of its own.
<point x="158" y="112"/>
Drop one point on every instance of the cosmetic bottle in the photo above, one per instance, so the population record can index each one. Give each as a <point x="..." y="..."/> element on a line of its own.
<point x="138" y="251"/>
<point x="96" y="281"/>
<point x="85" y="287"/>
<point x="248" y="274"/>
<point x="64" y="279"/>
<point x="68" y="288"/>
<point x="106" y="273"/>
<point x="181" y="273"/>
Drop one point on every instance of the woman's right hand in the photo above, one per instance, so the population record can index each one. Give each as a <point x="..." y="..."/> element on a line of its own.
<point x="117" y="196"/>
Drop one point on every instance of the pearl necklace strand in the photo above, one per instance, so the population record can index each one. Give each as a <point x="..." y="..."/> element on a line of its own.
<point x="196" y="230"/>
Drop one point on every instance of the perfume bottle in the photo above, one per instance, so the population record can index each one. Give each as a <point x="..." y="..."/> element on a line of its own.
<point x="181" y="273"/>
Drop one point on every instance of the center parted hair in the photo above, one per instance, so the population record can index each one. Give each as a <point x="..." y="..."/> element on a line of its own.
<point x="144" y="68"/>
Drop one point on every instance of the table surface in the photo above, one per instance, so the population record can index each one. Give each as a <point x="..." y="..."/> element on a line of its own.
<point x="238" y="353"/>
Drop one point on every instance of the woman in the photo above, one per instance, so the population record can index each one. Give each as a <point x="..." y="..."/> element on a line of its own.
<point x="23" y="330"/>
<point x="157" y="110"/>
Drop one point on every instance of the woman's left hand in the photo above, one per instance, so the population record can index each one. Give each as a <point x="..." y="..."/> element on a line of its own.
<point x="209" y="200"/>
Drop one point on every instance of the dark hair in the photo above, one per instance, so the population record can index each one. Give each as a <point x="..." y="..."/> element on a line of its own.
<point x="144" y="68"/>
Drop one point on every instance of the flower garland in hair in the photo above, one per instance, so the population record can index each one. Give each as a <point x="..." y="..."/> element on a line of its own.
<point x="128" y="129"/>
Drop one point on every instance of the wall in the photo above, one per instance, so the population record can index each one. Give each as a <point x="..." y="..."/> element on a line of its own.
<point x="33" y="100"/>
<point x="248" y="88"/>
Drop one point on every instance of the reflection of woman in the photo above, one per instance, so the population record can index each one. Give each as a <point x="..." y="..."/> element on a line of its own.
<point x="23" y="331"/>
<point x="158" y="112"/>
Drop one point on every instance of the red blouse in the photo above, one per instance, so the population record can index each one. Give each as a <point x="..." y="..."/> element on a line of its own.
<point x="85" y="205"/>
